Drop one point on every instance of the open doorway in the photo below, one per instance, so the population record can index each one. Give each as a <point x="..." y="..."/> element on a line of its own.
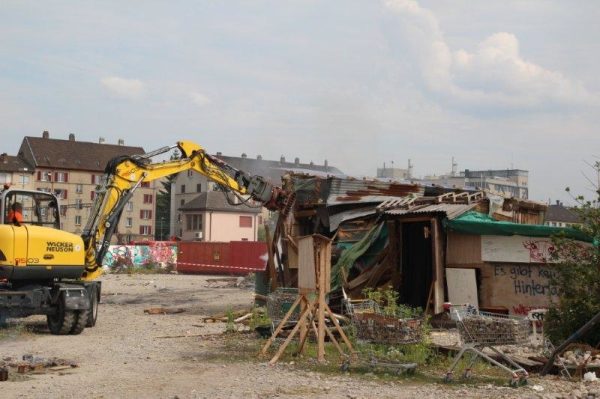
<point x="417" y="263"/>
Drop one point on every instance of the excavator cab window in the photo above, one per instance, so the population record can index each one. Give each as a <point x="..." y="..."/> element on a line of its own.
<point x="37" y="208"/>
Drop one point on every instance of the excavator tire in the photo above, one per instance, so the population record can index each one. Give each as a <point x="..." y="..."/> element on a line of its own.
<point x="81" y="318"/>
<point x="93" y="310"/>
<point x="62" y="322"/>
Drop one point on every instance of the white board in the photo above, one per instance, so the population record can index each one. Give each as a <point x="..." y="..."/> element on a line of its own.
<point x="462" y="286"/>
<point x="516" y="249"/>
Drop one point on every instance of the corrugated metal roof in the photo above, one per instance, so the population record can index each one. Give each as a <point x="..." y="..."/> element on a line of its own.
<point x="452" y="211"/>
<point x="351" y="191"/>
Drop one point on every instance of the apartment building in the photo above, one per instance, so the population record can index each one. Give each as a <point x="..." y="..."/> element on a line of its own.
<point x="72" y="169"/>
<point x="15" y="172"/>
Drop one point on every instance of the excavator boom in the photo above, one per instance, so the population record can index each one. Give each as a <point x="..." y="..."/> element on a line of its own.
<point x="123" y="175"/>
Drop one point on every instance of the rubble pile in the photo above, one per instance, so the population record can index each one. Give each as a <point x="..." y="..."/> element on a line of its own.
<point x="576" y="358"/>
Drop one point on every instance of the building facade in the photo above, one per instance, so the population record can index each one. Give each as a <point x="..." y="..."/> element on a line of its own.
<point x="72" y="170"/>
<point x="512" y="183"/>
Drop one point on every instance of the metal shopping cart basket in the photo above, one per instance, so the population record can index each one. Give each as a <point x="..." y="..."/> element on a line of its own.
<point x="479" y="330"/>
<point x="279" y="303"/>
<point x="371" y="325"/>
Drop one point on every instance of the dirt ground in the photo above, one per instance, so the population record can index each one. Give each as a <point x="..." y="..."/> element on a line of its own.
<point x="130" y="354"/>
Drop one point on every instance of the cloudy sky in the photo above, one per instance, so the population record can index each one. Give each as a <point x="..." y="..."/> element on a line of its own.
<point x="494" y="84"/>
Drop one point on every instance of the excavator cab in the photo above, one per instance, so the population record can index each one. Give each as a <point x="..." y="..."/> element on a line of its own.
<point x="36" y="207"/>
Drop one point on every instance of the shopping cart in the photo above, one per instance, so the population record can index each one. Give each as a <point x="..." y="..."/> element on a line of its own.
<point x="371" y="325"/>
<point x="479" y="330"/>
<point x="279" y="303"/>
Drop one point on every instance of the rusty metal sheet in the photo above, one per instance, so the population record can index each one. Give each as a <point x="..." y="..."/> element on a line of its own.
<point x="451" y="211"/>
<point x="332" y="191"/>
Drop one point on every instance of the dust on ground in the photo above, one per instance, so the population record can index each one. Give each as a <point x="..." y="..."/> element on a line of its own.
<point x="130" y="354"/>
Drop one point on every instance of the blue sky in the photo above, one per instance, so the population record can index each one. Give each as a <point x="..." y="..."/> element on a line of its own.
<point x="494" y="84"/>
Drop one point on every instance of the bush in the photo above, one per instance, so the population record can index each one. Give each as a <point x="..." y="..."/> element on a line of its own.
<point x="577" y="278"/>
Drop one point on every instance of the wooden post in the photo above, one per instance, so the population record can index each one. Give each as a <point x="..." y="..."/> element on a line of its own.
<point x="320" y="303"/>
<point x="270" y="260"/>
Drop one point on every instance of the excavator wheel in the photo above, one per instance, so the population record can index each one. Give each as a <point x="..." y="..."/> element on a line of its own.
<point x="81" y="318"/>
<point x="93" y="310"/>
<point x="63" y="321"/>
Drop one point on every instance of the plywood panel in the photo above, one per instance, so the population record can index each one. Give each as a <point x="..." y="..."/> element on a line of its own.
<point x="462" y="286"/>
<point x="517" y="287"/>
<point x="307" y="280"/>
<point x="463" y="249"/>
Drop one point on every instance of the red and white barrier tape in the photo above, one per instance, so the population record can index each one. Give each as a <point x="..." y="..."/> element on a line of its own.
<point x="205" y="265"/>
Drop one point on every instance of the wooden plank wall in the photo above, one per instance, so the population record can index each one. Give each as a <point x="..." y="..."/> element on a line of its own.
<point x="463" y="249"/>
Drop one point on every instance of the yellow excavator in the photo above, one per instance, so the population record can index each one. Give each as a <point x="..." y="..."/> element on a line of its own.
<point x="44" y="270"/>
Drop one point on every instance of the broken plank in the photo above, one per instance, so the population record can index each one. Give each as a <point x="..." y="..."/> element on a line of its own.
<point x="163" y="310"/>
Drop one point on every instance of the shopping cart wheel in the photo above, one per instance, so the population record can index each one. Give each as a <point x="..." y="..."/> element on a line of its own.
<point x="345" y="366"/>
<point x="408" y="368"/>
<point x="523" y="381"/>
<point x="448" y="377"/>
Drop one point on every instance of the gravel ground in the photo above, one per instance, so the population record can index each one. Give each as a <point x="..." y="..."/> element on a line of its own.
<point x="124" y="356"/>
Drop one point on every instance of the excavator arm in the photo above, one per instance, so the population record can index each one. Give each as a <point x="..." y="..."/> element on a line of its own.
<point x="123" y="175"/>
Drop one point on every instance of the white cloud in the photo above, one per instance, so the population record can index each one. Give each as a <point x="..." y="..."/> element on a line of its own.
<point x="495" y="74"/>
<point x="126" y="88"/>
<point x="199" y="99"/>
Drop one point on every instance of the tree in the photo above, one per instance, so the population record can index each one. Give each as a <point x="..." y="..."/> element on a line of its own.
<point x="577" y="275"/>
<point x="163" y="205"/>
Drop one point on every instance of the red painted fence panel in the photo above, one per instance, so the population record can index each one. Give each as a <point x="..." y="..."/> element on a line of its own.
<point x="235" y="257"/>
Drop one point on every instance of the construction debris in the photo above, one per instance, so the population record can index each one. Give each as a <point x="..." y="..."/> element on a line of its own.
<point x="33" y="364"/>
<point x="161" y="310"/>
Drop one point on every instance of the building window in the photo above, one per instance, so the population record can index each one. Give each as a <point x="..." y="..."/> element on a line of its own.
<point x="63" y="210"/>
<point x="145" y="214"/>
<point x="146" y="230"/>
<point x="96" y="179"/>
<point x="193" y="222"/>
<point x="5" y="178"/>
<point x="182" y="202"/>
<point x="44" y="176"/>
<point x="79" y="188"/>
<point x="198" y="188"/>
<point x="92" y="195"/>
<point x="183" y="189"/>
<point x="245" y="221"/>
<point x="78" y="203"/>
<point x="61" y="177"/>
<point x="129" y="206"/>
<point x="61" y="193"/>
<point x="145" y="184"/>
<point x="128" y="222"/>
<point x="147" y="198"/>
<point x="190" y="173"/>
<point x="77" y="220"/>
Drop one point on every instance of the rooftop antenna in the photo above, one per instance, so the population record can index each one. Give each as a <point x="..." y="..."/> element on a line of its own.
<point x="410" y="170"/>
<point x="454" y="167"/>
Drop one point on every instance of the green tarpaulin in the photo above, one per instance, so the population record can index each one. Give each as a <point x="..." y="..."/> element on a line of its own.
<point x="366" y="250"/>
<point x="481" y="224"/>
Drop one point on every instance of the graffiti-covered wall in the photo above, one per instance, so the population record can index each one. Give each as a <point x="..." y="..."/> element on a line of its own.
<point x="151" y="255"/>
